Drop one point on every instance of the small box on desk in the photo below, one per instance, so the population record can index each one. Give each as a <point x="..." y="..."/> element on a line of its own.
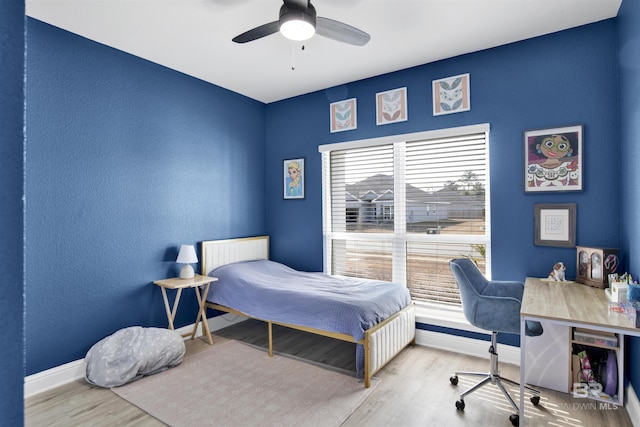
<point x="618" y="291"/>
<point x="631" y="309"/>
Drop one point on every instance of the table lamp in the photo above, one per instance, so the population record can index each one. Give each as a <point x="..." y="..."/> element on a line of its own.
<point x="187" y="256"/>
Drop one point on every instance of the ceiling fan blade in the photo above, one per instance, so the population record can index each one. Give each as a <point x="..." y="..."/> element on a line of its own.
<point x="341" y="32"/>
<point x="258" y="32"/>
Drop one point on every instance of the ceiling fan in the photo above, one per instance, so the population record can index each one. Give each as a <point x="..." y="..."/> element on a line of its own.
<point x="298" y="21"/>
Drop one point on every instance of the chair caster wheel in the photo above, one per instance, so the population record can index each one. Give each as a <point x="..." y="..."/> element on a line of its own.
<point x="515" y="419"/>
<point x="460" y="405"/>
<point x="535" y="400"/>
<point x="454" y="379"/>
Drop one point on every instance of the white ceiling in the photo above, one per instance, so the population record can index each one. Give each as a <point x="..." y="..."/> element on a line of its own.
<point x="194" y="36"/>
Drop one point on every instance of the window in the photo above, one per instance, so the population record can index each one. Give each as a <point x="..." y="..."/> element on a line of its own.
<point x="399" y="208"/>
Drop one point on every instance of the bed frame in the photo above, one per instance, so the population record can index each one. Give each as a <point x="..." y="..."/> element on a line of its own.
<point x="381" y="343"/>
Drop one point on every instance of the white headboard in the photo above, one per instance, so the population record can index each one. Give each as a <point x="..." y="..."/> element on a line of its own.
<point x="215" y="253"/>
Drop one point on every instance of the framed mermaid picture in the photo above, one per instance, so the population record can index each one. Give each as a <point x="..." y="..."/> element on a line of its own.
<point x="293" y="178"/>
<point x="553" y="159"/>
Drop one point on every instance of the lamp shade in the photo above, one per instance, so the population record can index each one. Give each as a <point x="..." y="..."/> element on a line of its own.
<point x="187" y="255"/>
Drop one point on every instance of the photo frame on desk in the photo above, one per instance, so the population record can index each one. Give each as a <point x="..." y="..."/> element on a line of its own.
<point x="555" y="224"/>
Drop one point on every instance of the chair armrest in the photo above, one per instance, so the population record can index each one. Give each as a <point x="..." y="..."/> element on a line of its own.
<point x="503" y="288"/>
<point x="498" y="313"/>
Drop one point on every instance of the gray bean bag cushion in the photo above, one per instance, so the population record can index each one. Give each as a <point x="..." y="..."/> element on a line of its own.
<point x="131" y="353"/>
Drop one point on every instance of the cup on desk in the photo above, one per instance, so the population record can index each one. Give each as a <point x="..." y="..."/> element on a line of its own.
<point x="619" y="291"/>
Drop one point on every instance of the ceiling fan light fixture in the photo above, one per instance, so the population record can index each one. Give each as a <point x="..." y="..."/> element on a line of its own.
<point x="297" y="30"/>
<point x="297" y="24"/>
<point x="297" y="21"/>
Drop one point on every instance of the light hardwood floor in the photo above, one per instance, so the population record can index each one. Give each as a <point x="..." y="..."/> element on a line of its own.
<point x="414" y="390"/>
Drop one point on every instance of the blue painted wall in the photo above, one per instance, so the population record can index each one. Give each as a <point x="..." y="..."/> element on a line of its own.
<point x="11" y="211"/>
<point x="126" y="160"/>
<point x="557" y="80"/>
<point x="629" y="75"/>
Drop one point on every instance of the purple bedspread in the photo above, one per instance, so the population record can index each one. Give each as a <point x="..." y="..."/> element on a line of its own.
<point x="271" y="291"/>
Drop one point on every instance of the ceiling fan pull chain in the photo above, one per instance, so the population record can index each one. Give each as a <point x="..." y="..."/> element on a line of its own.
<point x="293" y="57"/>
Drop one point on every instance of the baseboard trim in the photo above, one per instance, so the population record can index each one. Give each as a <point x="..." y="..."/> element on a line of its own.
<point x="464" y="345"/>
<point x="72" y="371"/>
<point x="52" y="378"/>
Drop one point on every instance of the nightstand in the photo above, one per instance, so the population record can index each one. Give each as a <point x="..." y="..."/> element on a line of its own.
<point x="200" y="285"/>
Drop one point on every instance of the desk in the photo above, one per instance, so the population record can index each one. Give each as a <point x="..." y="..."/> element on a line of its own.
<point x="570" y="304"/>
<point x="200" y="285"/>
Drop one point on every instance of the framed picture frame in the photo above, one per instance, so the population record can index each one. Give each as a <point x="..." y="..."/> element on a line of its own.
<point x="555" y="224"/>
<point x="451" y="95"/>
<point x="343" y="115"/>
<point x="391" y="106"/>
<point x="293" y="178"/>
<point x="553" y="159"/>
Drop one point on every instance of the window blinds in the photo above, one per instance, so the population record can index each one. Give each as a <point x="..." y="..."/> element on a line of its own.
<point x="398" y="209"/>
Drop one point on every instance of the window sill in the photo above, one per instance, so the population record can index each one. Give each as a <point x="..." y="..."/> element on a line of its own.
<point x="444" y="317"/>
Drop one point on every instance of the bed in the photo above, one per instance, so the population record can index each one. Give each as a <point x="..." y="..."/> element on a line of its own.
<point x="381" y="325"/>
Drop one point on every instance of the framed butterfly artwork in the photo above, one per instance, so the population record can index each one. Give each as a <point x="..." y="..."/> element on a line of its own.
<point x="391" y="106"/>
<point x="343" y="115"/>
<point x="451" y="95"/>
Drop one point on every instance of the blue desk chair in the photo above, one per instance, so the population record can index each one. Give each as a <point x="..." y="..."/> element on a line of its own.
<point x="495" y="306"/>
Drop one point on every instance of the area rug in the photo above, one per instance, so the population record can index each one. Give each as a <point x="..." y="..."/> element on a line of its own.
<point x="234" y="384"/>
